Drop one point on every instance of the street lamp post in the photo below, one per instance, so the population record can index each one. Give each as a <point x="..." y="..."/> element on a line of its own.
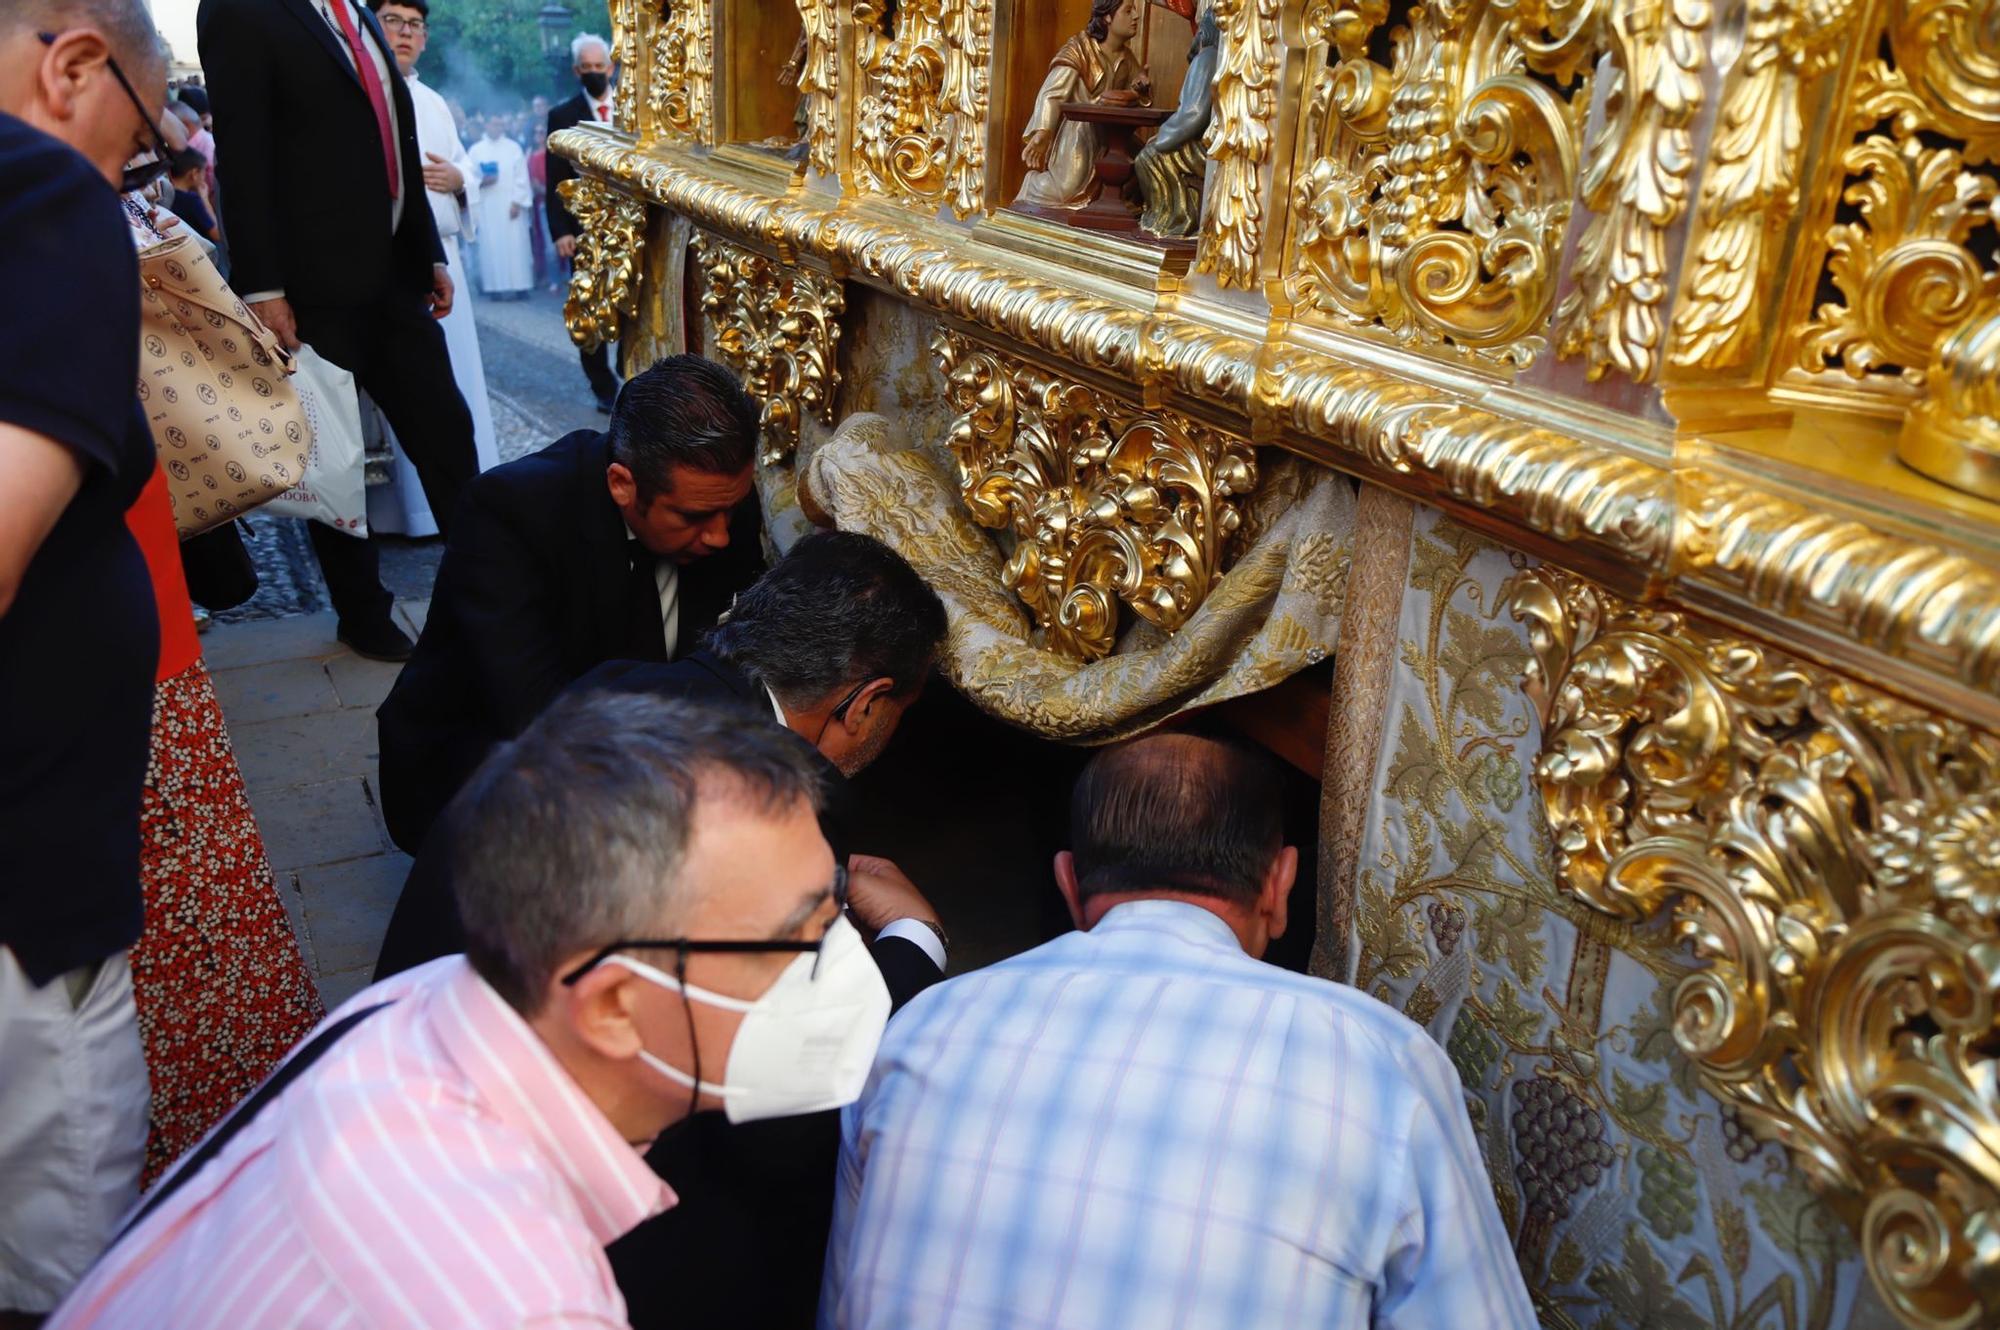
<point x="554" y="20"/>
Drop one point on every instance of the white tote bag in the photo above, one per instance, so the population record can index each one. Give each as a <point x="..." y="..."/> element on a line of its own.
<point x="335" y="487"/>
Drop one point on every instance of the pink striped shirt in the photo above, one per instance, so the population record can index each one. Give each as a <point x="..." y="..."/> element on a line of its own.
<point x="437" y="1167"/>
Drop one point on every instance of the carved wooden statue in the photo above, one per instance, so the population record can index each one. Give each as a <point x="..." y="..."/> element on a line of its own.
<point x="1096" y="65"/>
<point x="1169" y="167"/>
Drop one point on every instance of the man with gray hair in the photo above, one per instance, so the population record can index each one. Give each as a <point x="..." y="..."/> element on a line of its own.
<point x="654" y="927"/>
<point x="1142" y="1124"/>
<point x="81" y="86"/>
<point x="590" y="55"/>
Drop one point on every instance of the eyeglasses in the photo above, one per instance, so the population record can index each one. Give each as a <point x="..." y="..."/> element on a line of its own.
<point x="137" y="177"/>
<point x="686" y="946"/>
<point x="397" y="23"/>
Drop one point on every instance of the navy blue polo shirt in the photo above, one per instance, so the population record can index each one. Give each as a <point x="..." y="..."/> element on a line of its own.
<point x="80" y="643"/>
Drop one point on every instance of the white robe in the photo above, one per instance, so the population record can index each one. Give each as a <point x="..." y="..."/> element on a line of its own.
<point x="400" y="507"/>
<point x="506" y="253"/>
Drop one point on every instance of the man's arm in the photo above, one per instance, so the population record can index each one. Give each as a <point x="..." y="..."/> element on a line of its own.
<point x="240" y="70"/>
<point x="562" y="226"/>
<point x="496" y="596"/>
<point x="38" y="478"/>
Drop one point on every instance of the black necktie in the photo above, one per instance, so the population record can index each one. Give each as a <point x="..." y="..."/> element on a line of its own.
<point x="645" y="631"/>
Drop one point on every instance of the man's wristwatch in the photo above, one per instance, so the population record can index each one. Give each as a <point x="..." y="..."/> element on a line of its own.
<point x="938" y="928"/>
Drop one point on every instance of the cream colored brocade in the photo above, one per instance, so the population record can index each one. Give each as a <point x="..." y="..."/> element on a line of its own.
<point x="1274" y="613"/>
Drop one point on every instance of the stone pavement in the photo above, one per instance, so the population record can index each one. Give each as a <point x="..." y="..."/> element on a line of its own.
<point x="301" y="713"/>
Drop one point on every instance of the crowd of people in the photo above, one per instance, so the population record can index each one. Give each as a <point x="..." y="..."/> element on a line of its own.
<point x="653" y="1040"/>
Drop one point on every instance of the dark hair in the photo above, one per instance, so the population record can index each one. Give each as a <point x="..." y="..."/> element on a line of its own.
<point x="572" y="836"/>
<point x="421" y="6"/>
<point x="195" y="96"/>
<point x="1101" y="11"/>
<point x="839" y="609"/>
<point x="185" y="160"/>
<point x="1176" y="812"/>
<point x="684" y="411"/>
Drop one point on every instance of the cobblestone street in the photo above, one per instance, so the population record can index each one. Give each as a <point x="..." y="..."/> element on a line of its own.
<point x="301" y="707"/>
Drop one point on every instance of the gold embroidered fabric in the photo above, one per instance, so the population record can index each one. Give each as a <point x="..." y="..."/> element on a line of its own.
<point x="1635" y="1199"/>
<point x="1276" y="611"/>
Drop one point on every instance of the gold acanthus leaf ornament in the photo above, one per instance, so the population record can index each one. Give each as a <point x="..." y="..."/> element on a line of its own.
<point x="681" y="91"/>
<point x="626" y="16"/>
<point x="1636" y="186"/>
<point x="1750" y="188"/>
<point x="604" y="276"/>
<point x="1833" y="854"/>
<point x="819" y="83"/>
<point x="1239" y="141"/>
<point x="1106" y="504"/>
<point x="1436" y="191"/>
<point x="919" y="127"/>
<point x="778" y="326"/>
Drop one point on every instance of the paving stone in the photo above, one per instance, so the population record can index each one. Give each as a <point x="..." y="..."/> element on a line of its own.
<point x="414" y="613"/>
<point x="273" y="689"/>
<point x="295" y="910"/>
<point x="228" y="646"/>
<point x="348" y="907"/>
<point x="321" y="823"/>
<point x="360" y="682"/>
<point x="299" y="750"/>
<point x="335" y="989"/>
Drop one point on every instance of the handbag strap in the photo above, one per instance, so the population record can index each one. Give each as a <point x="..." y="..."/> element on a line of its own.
<point x="245" y="1113"/>
<point x="200" y="284"/>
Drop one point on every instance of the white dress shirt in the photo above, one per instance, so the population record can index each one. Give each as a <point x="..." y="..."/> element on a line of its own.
<point x="600" y="109"/>
<point x="667" y="577"/>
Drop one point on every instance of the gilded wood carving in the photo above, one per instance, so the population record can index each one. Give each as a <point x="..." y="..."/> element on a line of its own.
<point x="919" y="128"/>
<point x="1834" y="855"/>
<point x="1106" y="503"/>
<point x="1239" y="141"/>
<point x="604" y="277"/>
<point x="777" y="326"/>
<point x="819" y="83"/>
<point x="680" y="91"/>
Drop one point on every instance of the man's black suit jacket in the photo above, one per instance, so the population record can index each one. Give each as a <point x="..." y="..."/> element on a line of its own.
<point x="563" y="115"/>
<point x="305" y="193"/>
<point x="530" y="595"/>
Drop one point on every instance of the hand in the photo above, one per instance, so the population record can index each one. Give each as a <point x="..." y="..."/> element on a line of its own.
<point x="879" y="894"/>
<point x="440" y="296"/>
<point x="513" y="211"/>
<point x="488" y="181"/>
<point x="276" y="314"/>
<point x="1035" y="149"/>
<point x="566" y="247"/>
<point x="441" y="175"/>
<point x="1143" y="86"/>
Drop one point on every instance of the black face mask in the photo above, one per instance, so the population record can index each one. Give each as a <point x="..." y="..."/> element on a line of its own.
<point x="595" y="83"/>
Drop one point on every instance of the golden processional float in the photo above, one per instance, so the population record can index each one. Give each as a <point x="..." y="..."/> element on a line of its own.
<point x="1606" y="391"/>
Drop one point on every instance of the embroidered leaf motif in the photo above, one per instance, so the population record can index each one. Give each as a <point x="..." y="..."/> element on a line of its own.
<point x="1641" y="1293"/>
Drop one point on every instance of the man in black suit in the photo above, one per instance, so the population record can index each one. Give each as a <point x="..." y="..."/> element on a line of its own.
<point x="622" y="545"/>
<point x="834" y="643"/>
<point x="305" y="92"/>
<point x="592" y="60"/>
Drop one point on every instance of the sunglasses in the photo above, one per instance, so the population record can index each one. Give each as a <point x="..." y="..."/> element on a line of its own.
<point x="684" y="946"/>
<point x="136" y="177"/>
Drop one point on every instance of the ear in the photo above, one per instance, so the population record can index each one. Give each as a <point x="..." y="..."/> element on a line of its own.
<point x="1278" y="880"/>
<point x="69" y="63"/>
<point x="875" y="690"/>
<point x="598" y="1010"/>
<point x="1066" y="883"/>
<point x="624" y="488"/>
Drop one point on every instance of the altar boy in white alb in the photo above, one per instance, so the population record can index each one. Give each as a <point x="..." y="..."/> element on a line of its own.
<point x="448" y="174"/>
<point x="501" y="197"/>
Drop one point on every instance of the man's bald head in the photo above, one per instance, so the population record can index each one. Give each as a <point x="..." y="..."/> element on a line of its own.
<point x="1176" y="813"/>
<point x="59" y="67"/>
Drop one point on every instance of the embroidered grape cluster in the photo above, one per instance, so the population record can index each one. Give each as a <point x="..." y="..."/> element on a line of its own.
<point x="1559" y="1143"/>
<point x="1447" y="926"/>
<point x="1666" y="1192"/>
<point x="1738" y="1141"/>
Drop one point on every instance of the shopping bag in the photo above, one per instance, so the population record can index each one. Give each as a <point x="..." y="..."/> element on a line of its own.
<point x="334" y="490"/>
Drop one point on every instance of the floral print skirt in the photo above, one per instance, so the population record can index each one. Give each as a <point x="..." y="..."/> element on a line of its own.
<point x="222" y="990"/>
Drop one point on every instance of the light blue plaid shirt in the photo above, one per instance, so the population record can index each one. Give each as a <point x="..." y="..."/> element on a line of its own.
<point x="1142" y="1127"/>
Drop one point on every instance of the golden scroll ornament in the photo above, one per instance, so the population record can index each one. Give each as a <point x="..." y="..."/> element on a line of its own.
<point x="1834" y="855"/>
<point x="777" y="326"/>
<point x="626" y="18"/>
<point x="819" y="83"/>
<point x="681" y="93"/>
<point x="1106" y="503"/>
<point x="604" y="276"/>
<point x="1239" y="140"/>
<point x="920" y="125"/>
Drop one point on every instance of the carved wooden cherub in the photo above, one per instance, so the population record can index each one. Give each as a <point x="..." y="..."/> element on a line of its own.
<point x="1096" y="65"/>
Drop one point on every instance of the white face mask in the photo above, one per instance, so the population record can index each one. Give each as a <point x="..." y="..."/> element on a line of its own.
<point x="806" y="1044"/>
